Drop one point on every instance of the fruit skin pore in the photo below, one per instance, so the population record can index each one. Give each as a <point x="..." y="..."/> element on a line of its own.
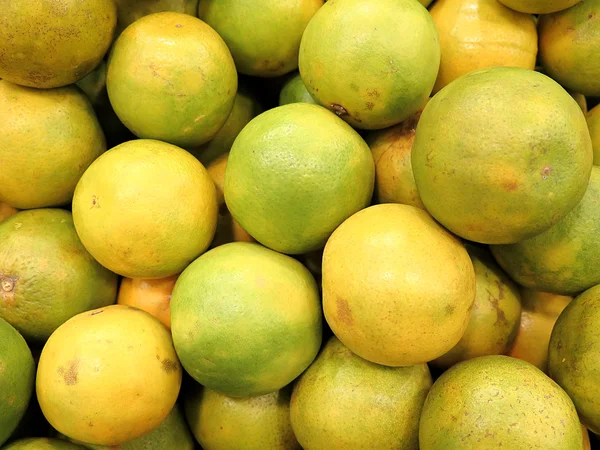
<point x="501" y="154"/>
<point x="172" y="78"/>
<point x="49" y="43"/>
<point x="343" y="402"/>
<point x="364" y="73"/>
<point x="397" y="287"/>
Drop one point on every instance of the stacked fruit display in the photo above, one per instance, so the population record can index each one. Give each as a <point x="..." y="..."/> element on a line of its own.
<point x="275" y="225"/>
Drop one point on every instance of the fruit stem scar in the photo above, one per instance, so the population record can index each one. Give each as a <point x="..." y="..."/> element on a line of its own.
<point x="339" y="109"/>
<point x="7" y="284"/>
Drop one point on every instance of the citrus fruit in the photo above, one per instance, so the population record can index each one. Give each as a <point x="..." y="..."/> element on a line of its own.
<point x="48" y="43"/>
<point x="108" y="376"/>
<point x="54" y="131"/>
<point x="128" y="11"/>
<point x="498" y="401"/>
<point x="593" y="121"/>
<point x="245" y="108"/>
<point x="426" y="2"/>
<point x="46" y="274"/>
<point x="294" y="91"/>
<point x="581" y="101"/>
<point x="136" y="226"/>
<point x="397" y="287"/>
<point x="495" y="315"/>
<point x="573" y="355"/>
<point x="475" y="34"/>
<point x="6" y="211"/>
<point x="171" y="77"/>
<point x="523" y="165"/>
<point x="538" y="316"/>
<point x="352" y="61"/>
<point x="251" y="423"/>
<point x="391" y="148"/>
<point x="228" y="229"/>
<point x="17" y="373"/>
<point x="343" y="401"/>
<point x="246" y="320"/>
<point x="294" y="174"/>
<point x="569" y="45"/>
<point x="271" y="48"/>
<point x="42" y="444"/>
<point x="586" y="438"/>
<point x="172" y="434"/>
<point x="564" y="259"/>
<point x="539" y="6"/>
<point x="152" y="296"/>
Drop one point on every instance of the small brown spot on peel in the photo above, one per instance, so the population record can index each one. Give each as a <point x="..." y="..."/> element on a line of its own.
<point x="70" y="375"/>
<point x="169" y="365"/>
<point x="344" y="313"/>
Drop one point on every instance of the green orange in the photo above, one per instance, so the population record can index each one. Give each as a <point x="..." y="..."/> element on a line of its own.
<point x="573" y="355"/>
<point x="569" y="44"/>
<point x="61" y="122"/>
<point x="563" y="259"/>
<point x="271" y="48"/>
<point x="220" y="422"/>
<point x="128" y="11"/>
<point x="352" y="61"/>
<point x="294" y="91"/>
<point x="17" y="374"/>
<point x="524" y="163"/>
<point x="171" y="77"/>
<point x="498" y="402"/>
<point x="47" y="43"/>
<point x="145" y="209"/>
<point x="294" y="174"/>
<point x="246" y="320"/>
<point x="46" y="274"/>
<point x="343" y="401"/>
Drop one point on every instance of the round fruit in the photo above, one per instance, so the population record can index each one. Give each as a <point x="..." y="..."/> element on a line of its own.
<point x="343" y="402"/>
<point x="145" y="209"/>
<point x="539" y="6"/>
<point x="152" y="296"/>
<point x="391" y="148"/>
<point x="498" y="401"/>
<point x="495" y="316"/>
<point x="46" y="274"/>
<point x="569" y="46"/>
<point x="42" y="444"/>
<point x="253" y="423"/>
<point x="17" y="373"/>
<point x="524" y="163"/>
<point x="397" y="287"/>
<point x="564" y="259"/>
<point x="245" y="108"/>
<point x="538" y="315"/>
<point x="593" y="121"/>
<point x="128" y="11"/>
<point x="6" y="211"/>
<point x="228" y="229"/>
<point x="294" y="174"/>
<point x="108" y="376"/>
<point x="475" y="34"/>
<point x="246" y="320"/>
<point x="54" y="131"/>
<point x="294" y="91"/>
<point x="271" y="48"/>
<point x="171" y="77"/>
<point x="352" y="61"/>
<point x="573" y="355"/>
<point x="49" y="43"/>
<point x="172" y="434"/>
